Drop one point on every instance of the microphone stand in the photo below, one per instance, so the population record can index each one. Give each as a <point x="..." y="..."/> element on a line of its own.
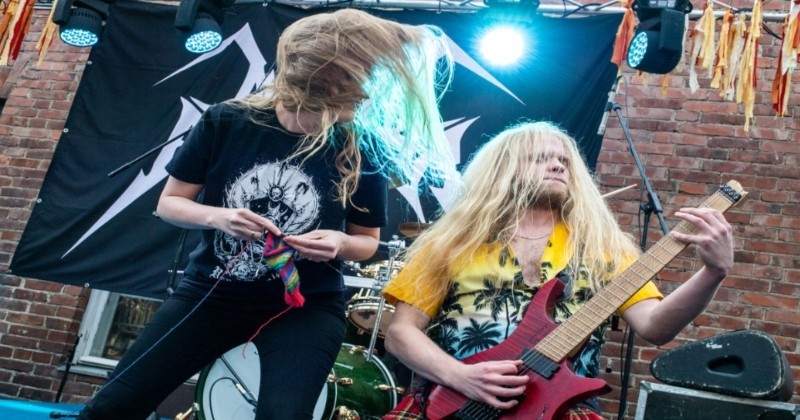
<point x="173" y="271"/>
<point x="146" y="154"/>
<point x="67" y="366"/>
<point x="182" y="239"/>
<point x="653" y="205"/>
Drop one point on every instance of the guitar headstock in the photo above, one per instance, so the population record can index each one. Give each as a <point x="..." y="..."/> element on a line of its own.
<point x="734" y="192"/>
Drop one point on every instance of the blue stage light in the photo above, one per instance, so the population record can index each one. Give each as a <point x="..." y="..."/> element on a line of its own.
<point x="82" y="28"/>
<point x="80" y="21"/>
<point x="657" y="46"/>
<point x="502" y="45"/>
<point x="199" y="23"/>
<point x="205" y="36"/>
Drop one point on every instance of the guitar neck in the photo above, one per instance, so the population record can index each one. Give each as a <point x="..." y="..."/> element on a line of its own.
<point x="574" y="330"/>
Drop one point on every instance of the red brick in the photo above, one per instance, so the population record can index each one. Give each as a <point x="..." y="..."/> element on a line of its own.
<point x="784" y="316"/>
<point x="769" y="301"/>
<point x="771" y="247"/>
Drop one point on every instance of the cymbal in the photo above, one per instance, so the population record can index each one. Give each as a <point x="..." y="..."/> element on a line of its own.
<point x="412" y="229"/>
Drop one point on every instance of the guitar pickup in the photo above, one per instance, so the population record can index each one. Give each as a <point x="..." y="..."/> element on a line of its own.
<point x="538" y="363"/>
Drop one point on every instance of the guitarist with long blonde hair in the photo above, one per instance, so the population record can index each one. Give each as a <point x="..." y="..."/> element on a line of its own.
<point x="529" y="214"/>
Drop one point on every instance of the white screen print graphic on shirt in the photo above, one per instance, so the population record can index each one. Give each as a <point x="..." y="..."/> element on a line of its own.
<point x="278" y="191"/>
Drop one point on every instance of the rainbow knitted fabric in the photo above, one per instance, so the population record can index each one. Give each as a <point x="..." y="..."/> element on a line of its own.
<point x="280" y="257"/>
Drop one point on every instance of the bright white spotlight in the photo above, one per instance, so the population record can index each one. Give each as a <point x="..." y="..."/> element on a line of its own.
<point x="502" y="45"/>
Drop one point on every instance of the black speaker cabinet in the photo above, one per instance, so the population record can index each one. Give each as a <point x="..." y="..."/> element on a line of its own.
<point x="667" y="402"/>
<point x="743" y="363"/>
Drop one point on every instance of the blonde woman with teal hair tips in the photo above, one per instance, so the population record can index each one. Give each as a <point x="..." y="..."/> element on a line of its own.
<point x="293" y="182"/>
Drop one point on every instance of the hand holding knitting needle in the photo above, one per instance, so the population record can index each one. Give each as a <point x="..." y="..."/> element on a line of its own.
<point x="317" y="245"/>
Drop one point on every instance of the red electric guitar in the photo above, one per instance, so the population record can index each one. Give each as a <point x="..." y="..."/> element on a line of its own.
<point x="554" y="388"/>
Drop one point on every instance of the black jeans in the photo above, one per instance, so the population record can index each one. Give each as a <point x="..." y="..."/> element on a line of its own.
<point x="296" y="350"/>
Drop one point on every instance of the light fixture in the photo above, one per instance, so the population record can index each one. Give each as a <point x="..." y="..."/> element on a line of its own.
<point x="80" y="21"/>
<point x="198" y="22"/>
<point x="503" y="34"/>
<point x="503" y="45"/>
<point x="522" y="4"/>
<point x="657" y="46"/>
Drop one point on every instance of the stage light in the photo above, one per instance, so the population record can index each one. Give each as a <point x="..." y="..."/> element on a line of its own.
<point x="80" y="21"/>
<point x="206" y="34"/>
<point x="198" y="21"/>
<point x="502" y="45"/>
<point x="657" y="46"/>
<point x="505" y="26"/>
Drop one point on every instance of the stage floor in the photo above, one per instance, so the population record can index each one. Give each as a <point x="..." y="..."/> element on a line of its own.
<point x="30" y="410"/>
<point x="35" y="410"/>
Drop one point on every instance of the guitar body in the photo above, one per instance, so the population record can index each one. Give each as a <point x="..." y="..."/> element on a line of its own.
<point x="544" y="398"/>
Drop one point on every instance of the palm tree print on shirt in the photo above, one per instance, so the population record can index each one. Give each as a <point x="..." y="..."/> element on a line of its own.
<point x="487" y="303"/>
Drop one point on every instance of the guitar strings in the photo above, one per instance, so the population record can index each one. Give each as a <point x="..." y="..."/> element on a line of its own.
<point x="474" y="408"/>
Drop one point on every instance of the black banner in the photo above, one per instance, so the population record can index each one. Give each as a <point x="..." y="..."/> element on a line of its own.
<point x="142" y="91"/>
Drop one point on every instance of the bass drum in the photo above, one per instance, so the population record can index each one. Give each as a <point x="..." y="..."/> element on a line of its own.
<point x="356" y="388"/>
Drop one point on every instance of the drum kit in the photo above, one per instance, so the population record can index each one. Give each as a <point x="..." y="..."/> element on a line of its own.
<point x="355" y="389"/>
<point x="360" y="386"/>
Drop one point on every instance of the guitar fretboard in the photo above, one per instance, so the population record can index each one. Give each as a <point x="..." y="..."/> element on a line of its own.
<point x="573" y="331"/>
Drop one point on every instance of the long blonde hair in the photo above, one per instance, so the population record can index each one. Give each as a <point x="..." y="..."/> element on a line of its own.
<point x="498" y="189"/>
<point x="396" y="74"/>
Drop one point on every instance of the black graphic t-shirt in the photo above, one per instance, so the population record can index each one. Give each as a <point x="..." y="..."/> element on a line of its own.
<point x="243" y="164"/>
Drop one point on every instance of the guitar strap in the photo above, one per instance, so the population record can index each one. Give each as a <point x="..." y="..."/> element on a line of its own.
<point x="565" y="277"/>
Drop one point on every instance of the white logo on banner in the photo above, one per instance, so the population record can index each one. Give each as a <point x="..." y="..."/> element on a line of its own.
<point x="192" y="110"/>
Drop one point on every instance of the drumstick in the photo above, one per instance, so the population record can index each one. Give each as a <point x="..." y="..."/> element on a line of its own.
<point x="615" y="192"/>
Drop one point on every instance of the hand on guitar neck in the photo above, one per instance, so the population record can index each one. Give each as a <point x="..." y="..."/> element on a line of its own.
<point x="494" y="384"/>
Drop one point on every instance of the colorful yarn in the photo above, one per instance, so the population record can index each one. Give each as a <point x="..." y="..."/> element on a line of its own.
<point x="280" y="257"/>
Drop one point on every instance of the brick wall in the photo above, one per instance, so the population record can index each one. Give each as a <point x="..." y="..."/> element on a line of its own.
<point x="39" y="320"/>
<point x="689" y="143"/>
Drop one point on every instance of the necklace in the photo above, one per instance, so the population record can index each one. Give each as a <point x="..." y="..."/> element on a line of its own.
<point x="534" y="237"/>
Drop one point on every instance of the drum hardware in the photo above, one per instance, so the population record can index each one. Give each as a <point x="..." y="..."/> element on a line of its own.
<point x="341" y="381"/>
<point x="238" y="384"/>
<point x="357" y="349"/>
<point x="395" y="246"/>
<point x="365" y="278"/>
<point x="362" y="282"/>
<point x="354" y="266"/>
<point x="381" y="387"/>
<point x="188" y="414"/>
<point x="362" y="309"/>
<point x="344" y="413"/>
<point x="398" y="389"/>
<point x="376" y="328"/>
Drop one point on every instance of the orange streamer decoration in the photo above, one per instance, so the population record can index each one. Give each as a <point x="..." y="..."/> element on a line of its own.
<point x="624" y="35"/>
<point x="14" y="26"/>
<point x="787" y="61"/>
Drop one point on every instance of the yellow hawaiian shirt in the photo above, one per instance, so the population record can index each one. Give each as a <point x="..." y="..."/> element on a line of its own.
<point x="489" y="297"/>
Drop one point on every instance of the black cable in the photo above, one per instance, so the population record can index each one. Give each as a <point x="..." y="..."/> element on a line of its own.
<point x="211" y="391"/>
<point x="579" y="8"/>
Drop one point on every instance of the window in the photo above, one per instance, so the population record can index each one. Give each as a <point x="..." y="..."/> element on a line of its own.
<point x="110" y="325"/>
